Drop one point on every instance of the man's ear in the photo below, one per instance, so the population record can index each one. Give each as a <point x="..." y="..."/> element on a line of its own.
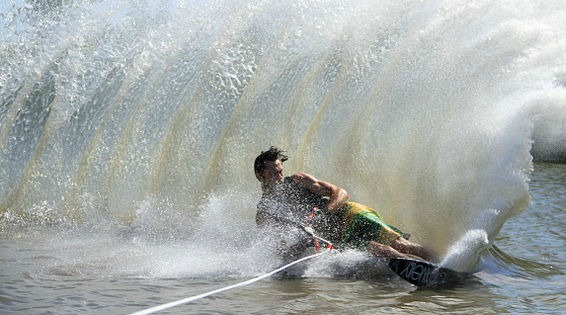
<point x="258" y="176"/>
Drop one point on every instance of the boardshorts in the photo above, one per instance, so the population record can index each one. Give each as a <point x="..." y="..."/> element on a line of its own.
<point x="362" y="224"/>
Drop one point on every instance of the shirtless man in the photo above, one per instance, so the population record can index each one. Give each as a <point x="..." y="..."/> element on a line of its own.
<point x="288" y="201"/>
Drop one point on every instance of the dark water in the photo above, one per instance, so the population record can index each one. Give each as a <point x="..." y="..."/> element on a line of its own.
<point x="46" y="271"/>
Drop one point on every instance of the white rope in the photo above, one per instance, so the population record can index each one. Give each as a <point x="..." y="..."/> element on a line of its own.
<point x="241" y="284"/>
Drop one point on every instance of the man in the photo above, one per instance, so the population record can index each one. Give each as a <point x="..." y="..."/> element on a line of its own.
<point x="287" y="202"/>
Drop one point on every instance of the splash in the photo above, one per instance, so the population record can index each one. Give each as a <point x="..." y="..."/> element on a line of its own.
<point x="424" y="111"/>
<point x="463" y="256"/>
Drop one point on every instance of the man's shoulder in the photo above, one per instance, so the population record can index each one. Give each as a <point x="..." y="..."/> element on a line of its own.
<point x="301" y="177"/>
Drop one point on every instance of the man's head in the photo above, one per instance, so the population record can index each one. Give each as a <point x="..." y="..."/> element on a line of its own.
<point x="268" y="166"/>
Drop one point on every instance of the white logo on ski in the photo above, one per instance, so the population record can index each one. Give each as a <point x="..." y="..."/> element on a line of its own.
<point x="416" y="272"/>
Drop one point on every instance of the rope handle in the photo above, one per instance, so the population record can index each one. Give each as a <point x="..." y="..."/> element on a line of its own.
<point x="317" y="238"/>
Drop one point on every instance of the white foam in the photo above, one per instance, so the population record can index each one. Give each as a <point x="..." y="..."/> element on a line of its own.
<point x="465" y="254"/>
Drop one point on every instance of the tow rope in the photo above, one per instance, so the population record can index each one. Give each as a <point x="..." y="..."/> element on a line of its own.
<point x="169" y="305"/>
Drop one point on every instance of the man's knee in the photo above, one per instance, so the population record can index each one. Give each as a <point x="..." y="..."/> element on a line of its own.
<point x="402" y="245"/>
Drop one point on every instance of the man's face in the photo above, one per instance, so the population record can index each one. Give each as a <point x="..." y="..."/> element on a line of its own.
<point x="273" y="173"/>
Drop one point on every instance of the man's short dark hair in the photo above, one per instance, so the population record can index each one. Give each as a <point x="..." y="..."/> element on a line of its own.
<point x="273" y="154"/>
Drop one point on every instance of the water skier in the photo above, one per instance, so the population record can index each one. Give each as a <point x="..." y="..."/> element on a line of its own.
<point x="288" y="201"/>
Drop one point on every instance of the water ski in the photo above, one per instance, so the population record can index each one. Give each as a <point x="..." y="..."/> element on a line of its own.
<point x="425" y="274"/>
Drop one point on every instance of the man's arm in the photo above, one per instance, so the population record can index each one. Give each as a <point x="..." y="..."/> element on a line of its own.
<point x="337" y="195"/>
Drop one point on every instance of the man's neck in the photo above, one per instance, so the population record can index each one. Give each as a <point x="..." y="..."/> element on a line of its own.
<point x="270" y="189"/>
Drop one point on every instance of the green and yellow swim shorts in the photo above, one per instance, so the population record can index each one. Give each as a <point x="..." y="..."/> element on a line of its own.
<point x="363" y="224"/>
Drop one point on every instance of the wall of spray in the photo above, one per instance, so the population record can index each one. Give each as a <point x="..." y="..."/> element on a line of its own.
<point x="424" y="111"/>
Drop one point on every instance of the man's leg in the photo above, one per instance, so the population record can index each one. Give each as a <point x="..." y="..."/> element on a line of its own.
<point x="387" y="252"/>
<point x="407" y="247"/>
